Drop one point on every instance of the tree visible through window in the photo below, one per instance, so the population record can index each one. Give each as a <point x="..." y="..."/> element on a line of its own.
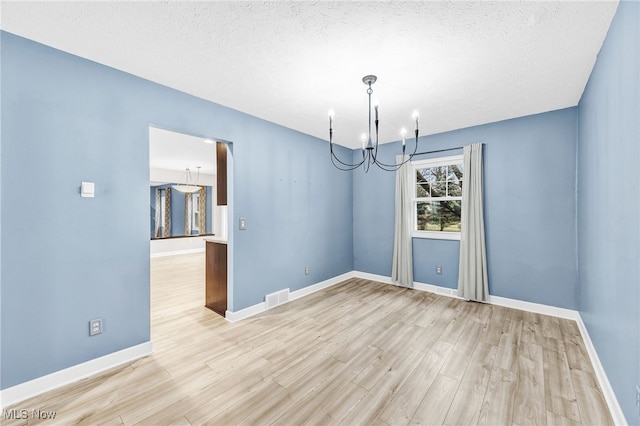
<point x="438" y="195"/>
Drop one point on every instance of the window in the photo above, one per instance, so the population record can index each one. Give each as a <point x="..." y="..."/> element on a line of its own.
<point x="195" y="213"/>
<point x="437" y="197"/>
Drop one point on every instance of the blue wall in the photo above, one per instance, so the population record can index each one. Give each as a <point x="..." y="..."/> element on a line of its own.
<point x="530" y="210"/>
<point x="609" y="206"/>
<point x="1" y="182"/>
<point x="65" y="120"/>
<point x="298" y="213"/>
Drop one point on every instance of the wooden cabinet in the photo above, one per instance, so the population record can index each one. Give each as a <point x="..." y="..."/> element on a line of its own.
<point x="216" y="277"/>
<point x="221" y="173"/>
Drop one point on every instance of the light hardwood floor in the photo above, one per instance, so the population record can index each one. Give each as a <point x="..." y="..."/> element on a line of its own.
<point x="359" y="352"/>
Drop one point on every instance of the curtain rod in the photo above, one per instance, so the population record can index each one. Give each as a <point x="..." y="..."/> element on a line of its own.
<point x="438" y="150"/>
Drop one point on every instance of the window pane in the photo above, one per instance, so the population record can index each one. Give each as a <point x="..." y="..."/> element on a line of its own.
<point x="424" y="175"/>
<point x="455" y="189"/>
<point x="439" y="189"/>
<point x="438" y="216"/>
<point x="455" y="180"/>
<point x="422" y="190"/>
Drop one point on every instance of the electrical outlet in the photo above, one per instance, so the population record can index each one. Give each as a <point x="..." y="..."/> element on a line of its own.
<point x="95" y="326"/>
<point x="242" y="223"/>
<point x="638" y="398"/>
<point x="439" y="270"/>
<point x="307" y="271"/>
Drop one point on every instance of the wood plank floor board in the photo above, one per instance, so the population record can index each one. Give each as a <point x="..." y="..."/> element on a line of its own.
<point x="438" y="305"/>
<point x="577" y="357"/>
<point x="531" y="328"/>
<point x="406" y="400"/>
<point x="304" y="409"/>
<point x="359" y="352"/>
<point x="467" y="403"/>
<point x="498" y="405"/>
<point x="385" y="361"/>
<point x="558" y="420"/>
<point x="437" y="401"/>
<point x="376" y="400"/>
<point x="560" y="396"/>
<point x="492" y="329"/>
<point x="590" y="399"/>
<point x="337" y="409"/>
<point x="458" y="361"/>
<point x="529" y="402"/>
<point x="425" y="338"/>
<point x="507" y="355"/>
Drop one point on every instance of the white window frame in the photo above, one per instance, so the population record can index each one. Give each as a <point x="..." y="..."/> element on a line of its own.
<point x="431" y="162"/>
<point x="195" y="212"/>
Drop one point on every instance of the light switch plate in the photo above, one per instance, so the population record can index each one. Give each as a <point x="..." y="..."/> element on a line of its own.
<point x="87" y="189"/>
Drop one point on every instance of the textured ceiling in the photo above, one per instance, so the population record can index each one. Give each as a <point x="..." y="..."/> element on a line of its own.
<point x="458" y="63"/>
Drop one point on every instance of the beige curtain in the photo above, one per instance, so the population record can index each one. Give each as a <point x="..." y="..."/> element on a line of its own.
<point x="473" y="283"/>
<point x="203" y="210"/>
<point x="167" y="212"/>
<point x="402" y="262"/>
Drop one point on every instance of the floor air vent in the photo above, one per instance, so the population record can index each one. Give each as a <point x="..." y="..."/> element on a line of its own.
<point x="277" y="298"/>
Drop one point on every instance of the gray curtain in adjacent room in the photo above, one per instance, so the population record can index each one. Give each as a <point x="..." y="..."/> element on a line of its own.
<point x="473" y="283"/>
<point x="402" y="266"/>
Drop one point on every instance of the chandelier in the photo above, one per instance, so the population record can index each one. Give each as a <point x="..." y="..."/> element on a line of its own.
<point x="188" y="187"/>
<point x="369" y="147"/>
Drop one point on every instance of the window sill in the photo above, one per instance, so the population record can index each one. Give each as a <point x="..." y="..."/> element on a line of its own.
<point x="436" y="235"/>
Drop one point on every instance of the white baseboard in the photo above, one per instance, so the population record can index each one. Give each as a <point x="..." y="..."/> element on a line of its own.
<point x="60" y="378"/>
<point x="494" y="300"/>
<point x="536" y="308"/>
<point x="444" y="291"/>
<point x="176" y="252"/>
<point x="373" y="277"/>
<point x="297" y="294"/>
<point x="250" y="311"/>
<point x="234" y="316"/>
<point x="607" y="390"/>
<point x="610" y="397"/>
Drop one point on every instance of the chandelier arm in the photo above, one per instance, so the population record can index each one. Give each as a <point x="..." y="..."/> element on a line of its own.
<point x="348" y="167"/>
<point x="335" y="158"/>
<point x="390" y="167"/>
<point x="394" y="167"/>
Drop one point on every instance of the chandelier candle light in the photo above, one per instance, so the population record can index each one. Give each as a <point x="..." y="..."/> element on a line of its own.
<point x="369" y="147"/>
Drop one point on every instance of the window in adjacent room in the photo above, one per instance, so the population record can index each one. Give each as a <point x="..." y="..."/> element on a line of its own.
<point x="195" y="213"/>
<point x="437" y="197"/>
